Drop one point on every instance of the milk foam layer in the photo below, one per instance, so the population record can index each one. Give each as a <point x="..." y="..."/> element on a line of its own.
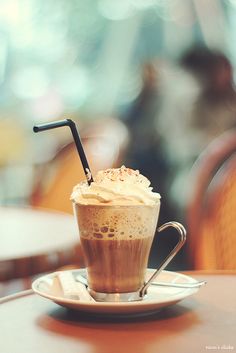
<point x="120" y="186"/>
<point x="117" y="222"/>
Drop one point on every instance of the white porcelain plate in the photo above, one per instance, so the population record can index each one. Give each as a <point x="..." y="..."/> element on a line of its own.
<point x="158" y="297"/>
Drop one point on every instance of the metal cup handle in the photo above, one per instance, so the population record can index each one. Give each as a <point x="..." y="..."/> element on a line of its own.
<point x="182" y="237"/>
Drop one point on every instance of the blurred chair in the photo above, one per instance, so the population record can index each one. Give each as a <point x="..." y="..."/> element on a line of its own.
<point x="211" y="213"/>
<point x="104" y="142"/>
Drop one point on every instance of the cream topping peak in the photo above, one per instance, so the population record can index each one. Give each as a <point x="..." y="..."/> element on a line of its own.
<point x="121" y="174"/>
<point x="117" y="186"/>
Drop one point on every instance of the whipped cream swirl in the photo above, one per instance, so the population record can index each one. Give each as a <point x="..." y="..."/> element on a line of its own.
<point x="117" y="186"/>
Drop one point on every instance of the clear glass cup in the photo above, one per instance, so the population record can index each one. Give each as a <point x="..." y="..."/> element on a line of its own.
<point x="116" y="242"/>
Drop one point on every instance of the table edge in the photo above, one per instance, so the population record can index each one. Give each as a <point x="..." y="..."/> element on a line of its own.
<point x="17" y="295"/>
<point x="208" y="272"/>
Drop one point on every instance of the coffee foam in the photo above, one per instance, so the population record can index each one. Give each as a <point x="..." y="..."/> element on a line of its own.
<point x="117" y="223"/>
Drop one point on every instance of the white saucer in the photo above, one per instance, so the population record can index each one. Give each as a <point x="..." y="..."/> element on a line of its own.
<point x="157" y="297"/>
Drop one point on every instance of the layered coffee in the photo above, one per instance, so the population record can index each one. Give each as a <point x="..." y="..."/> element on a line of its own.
<point x="117" y="216"/>
<point x="116" y="241"/>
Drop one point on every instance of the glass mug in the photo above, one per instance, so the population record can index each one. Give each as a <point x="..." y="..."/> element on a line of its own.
<point x="116" y="242"/>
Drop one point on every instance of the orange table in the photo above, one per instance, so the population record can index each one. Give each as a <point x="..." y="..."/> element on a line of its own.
<point x="201" y="323"/>
<point x="34" y="241"/>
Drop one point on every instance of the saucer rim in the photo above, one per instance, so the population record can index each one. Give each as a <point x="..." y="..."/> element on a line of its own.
<point x="140" y="306"/>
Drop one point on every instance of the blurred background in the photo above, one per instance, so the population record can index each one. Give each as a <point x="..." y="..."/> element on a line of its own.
<point x="150" y="83"/>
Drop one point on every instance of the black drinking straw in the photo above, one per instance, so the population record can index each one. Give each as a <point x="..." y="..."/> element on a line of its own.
<point x="75" y="134"/>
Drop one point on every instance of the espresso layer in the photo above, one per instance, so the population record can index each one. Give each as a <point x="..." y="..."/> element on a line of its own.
<point x="116" y="265"/>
